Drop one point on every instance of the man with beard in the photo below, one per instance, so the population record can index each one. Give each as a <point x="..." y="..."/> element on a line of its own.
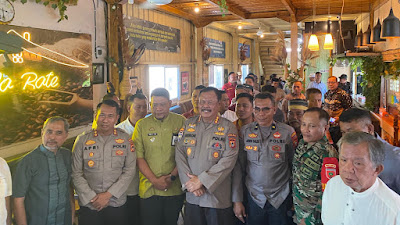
<point x="42" y="189"/>
<point x="295" y="114"/>
<point x="205" y="156"/>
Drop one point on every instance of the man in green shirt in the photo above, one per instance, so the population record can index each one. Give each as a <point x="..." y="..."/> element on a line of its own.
<point x="154" y="139"/>
<point x="42" y="182"/>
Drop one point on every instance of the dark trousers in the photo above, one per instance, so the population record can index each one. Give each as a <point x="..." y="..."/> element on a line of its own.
<point x="133" y="209"/>
<point x="107" y="216"/>
<point x="268" y="215"/>
<point x="160" y="210"/>
<point x="196" y="215"/>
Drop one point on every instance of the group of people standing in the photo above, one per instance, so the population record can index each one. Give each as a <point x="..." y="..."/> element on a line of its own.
<point x="272" y="155"/>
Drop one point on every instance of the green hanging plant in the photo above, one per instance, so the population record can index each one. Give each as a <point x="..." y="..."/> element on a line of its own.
<point x="373" y="68"/>
<point x="222" y="7"/>
<point x="61" y="5"/>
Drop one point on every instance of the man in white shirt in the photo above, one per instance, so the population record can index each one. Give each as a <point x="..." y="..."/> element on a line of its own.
<point x="318" y="84"/>
<point x="5" y="193"/>
<point x="358" y="196"/>
<point x="137" y="108"/>
<point x="224" y="108"/>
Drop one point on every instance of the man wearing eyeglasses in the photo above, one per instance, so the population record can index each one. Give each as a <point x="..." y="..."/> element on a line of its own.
<point x="270" y="148"/>
<point x="205" y="156"/>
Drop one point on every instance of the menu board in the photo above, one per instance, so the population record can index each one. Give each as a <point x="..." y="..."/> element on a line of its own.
<point x="49" y="76"/>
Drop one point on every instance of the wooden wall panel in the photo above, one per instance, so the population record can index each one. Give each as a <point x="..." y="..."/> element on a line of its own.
<point x="184" y="59"/>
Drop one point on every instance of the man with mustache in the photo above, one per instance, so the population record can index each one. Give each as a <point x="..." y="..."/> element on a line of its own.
<point x="205" y="156"/>
<point x="42" y="189"/>
<point x="195" y="102"/>
<point x="269" y="146"/>
<point x="103" y="165"/>
<point x="295" y="114"/>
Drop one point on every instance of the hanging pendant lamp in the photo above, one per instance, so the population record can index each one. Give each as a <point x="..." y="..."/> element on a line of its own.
<point x="376" y="35"/>
<point x="367" y="37"/>
<point x="328" y="44"/>
<point x="358" y="40"/>
<point x="313" y="44"/>
<point x="391" y="26"/>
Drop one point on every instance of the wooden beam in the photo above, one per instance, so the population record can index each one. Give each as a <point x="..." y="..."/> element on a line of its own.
<point x="289" y="6"/>
<point x="273" y="14"/>
<point x="232" y="9"/>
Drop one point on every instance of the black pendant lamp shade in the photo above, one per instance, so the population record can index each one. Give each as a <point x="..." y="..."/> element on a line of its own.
<point x="376" y="33"/>
<point x="359" y="39"/>
<point x="391" y="26"/>
<point x="367" y="37"/>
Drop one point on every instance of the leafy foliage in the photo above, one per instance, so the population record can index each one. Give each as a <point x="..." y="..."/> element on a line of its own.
<point x="56" y="4"/>
<point x="373" y="68"/>
<point x="223" y="7"/>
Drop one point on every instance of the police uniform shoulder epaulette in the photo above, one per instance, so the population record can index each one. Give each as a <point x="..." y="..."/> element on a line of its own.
<point x="249" y="126"/>
<point x="192" y="119"/>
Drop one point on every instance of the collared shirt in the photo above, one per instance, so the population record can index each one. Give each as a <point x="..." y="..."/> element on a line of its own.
<point x="390" y="174"/>
<point x="285" y="102"/>
<point x="336" y="102"/>
<point x="5" y="189"/>
<point x="189" y="114"/>
<point x="346" y="87"/>
<point x="43" y="179"/>
<point x="320" y="86"/>
<point x="307" y="188"/>
<point x="103" y="164"/>
<point x="155" y="141"/>
<point x="342" y="205"/>
<point x="269" y="159"/>
<point x="230" y="90"/>
<point x="133" y="188"/>
<point x="208" y="151"/>
<point x="230" y="115"/>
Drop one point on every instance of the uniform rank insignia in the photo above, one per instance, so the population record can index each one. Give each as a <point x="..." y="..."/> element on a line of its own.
<point x="294" y="139"/>
<point x="95" y="133"/>
<point x="152" y="129"/>
<point x="91" y="154"/>
<point x="192" y="125"/>
<point x="191" y="130"/>
<point x="277" y="135"/>
<point x="219" y="133"/>
<point x="119" y="140"/>
<point x="277" y="155"/>
<point x="217" y="146"/>
<point x="90" y="163"/>
<point x="232" y="135"/>
<point x="132" y="145"/>
<point x="119" y="152"/>
<point x="90" y="142"/>
<point x="232" y="142"/>
<point x="253" y="135"/>
<point x="115" y="132"/>
<point x="215" y="155"/>
<point x="276" y="148"/>
<point x="188" y="151"/>
<point x="189" y="141"/>
<point x="221" y="129"/>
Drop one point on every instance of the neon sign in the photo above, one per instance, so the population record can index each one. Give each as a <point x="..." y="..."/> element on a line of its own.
<point x="5" y="83"/>
<point x="30" y="80"/>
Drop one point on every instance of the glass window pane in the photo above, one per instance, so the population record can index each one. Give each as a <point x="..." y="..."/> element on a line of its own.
<point x="171" y="84"/>
<point x="156" y="77"/>
<point x="245" y="71"/>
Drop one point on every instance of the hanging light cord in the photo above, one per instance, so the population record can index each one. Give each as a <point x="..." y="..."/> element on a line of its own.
<point x="340" y="26"/>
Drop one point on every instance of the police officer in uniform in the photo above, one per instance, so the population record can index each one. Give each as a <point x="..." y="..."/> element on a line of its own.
<point x="103" y="165"/>
<point x="270" y="147"/>
<point x="205" y="156"/>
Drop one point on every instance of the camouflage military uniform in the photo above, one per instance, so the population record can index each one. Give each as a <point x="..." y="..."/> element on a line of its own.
<point x="307" y="190"/>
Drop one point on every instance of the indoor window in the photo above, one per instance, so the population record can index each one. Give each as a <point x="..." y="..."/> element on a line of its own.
<point x="165" y="77"/>
<point x="216" y="76"/>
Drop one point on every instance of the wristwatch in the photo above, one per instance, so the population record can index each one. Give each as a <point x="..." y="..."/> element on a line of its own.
<point x="173" y="178"/>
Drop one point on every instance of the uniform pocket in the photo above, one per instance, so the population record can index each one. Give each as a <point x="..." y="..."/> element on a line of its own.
<point x="276" y="152"/>
<point x="189" y="145"/>
<point x="253" y="153"/>
<point x="215" y="149"/>
<point x="118" y="158"/>
<point x="91" y="159"/>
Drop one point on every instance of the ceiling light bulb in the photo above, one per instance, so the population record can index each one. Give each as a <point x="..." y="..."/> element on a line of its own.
<point x="262" y="35"/>
<point x="240" y="27"/>
<point x="197" y="9"/>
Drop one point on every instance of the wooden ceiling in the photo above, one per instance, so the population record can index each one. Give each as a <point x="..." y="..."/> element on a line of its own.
<point x="288" y="10"/>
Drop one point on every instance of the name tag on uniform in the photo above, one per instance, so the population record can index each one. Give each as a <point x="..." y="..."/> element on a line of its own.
<point x="174" y="139"/>
<point x="152" y="134"/>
